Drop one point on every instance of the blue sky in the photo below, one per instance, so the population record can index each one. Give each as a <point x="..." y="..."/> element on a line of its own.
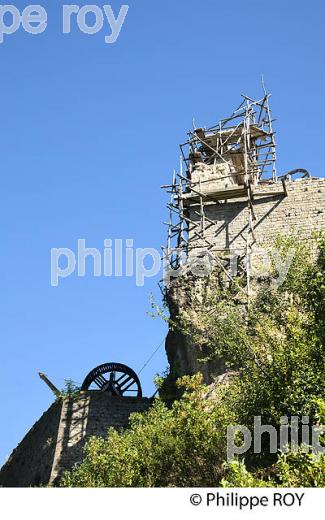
<point x="89" y="133"/>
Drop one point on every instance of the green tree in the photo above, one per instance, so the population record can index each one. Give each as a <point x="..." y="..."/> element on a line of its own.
<point x="275" y="351"/>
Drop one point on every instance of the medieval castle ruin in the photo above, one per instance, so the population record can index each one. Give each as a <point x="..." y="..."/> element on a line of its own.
<point x="227" y="205"/>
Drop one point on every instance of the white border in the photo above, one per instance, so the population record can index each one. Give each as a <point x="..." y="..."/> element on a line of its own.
<point x="143" y="504"/>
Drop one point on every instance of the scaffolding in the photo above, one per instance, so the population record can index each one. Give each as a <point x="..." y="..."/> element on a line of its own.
<point x="224" y="162"/>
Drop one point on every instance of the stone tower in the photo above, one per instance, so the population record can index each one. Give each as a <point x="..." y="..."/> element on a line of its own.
<point x="228" y="205"/>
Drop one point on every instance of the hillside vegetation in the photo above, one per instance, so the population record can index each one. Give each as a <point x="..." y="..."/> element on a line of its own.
<point x="275" y="354"/>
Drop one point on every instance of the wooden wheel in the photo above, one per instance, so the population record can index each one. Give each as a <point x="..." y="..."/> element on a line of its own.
<point x="114" y="378"/>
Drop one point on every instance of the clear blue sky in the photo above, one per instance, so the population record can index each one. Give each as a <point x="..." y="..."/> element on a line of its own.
<point x="89" y="133"/>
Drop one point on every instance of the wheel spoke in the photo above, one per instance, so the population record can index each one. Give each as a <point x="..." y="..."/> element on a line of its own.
<point x="129" y="386"/>
<point x="124" y="382"/>
<point x="100" y="381"/>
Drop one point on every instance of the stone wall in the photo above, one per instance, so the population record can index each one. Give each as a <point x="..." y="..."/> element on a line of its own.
<point x="30" y="464"/>
<point x="91" y="414"/>
<point x="56" y="441"/>
<point x="185" y="294"/>
<point x="300" y="213"/>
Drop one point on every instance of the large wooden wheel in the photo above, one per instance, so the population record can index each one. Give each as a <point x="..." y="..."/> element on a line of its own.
<point x="114" y="378"/>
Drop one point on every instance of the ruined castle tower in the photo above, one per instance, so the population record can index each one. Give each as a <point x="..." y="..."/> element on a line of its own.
<point x="227" y="206"/>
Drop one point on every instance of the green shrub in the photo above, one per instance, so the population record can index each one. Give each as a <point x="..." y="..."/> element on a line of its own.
<point x="277" y="352"/>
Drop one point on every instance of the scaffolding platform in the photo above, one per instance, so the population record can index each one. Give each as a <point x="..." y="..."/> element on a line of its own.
<point x="225" y="194"/>
<point x="238" y="192"/>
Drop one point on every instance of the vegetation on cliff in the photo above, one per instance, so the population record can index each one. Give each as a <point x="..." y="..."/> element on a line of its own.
<point x="275" y="353"/>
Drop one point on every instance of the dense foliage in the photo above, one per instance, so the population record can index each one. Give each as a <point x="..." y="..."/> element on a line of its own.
<point x="275" y="351"/>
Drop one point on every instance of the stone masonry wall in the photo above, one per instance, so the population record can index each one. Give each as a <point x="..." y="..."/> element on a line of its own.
<point x="91" y="414"/>
<point x="300" y="214"/>
<point x="55" y="443"/>
<point x="30" y="464"/>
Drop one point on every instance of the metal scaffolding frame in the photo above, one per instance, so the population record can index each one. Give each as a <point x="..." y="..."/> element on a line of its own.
<point x="222" y="163"/>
